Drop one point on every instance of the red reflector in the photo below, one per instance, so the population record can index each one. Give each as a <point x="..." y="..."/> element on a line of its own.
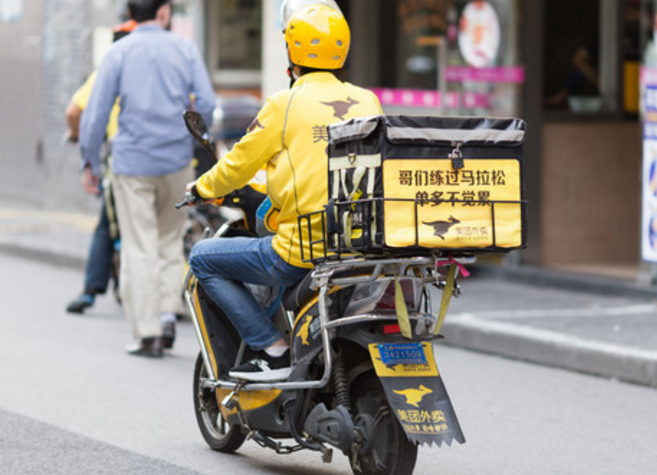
<point x="390" y="329"/>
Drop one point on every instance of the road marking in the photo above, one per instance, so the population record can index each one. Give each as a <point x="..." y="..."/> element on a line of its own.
<point x="21" y="228"/>
<point x="80" y="221"/>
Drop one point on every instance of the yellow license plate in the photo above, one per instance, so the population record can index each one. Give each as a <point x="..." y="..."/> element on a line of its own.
<point x="403" y="360"/>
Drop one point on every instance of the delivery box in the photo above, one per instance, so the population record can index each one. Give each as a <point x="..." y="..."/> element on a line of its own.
<point x="412" y="183"/>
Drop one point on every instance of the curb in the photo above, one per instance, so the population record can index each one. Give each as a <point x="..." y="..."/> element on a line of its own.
<point x="551" y="349"/>
<point x="49" y="256"/>
<point x="499" y="338"/>
<point x="567" y="280"/>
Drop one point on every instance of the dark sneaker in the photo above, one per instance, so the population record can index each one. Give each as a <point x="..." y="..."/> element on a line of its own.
<point x="79" y="304"/>
<point x="168" y="335"/>
<point x="264" y="368"/>
<point x="150" y="347"/>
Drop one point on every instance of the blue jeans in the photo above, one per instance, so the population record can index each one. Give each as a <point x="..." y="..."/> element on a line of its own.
<point x="101" y="252"/>
<point x="223" y="265"/>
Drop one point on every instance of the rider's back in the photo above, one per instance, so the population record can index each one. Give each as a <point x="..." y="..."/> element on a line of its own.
<point x="298" y="179"/>
<point x="289" y="137"/>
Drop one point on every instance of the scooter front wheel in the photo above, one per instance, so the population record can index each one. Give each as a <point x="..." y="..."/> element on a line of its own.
<point x="390" y="452"/>
<point x="219" y="434"/>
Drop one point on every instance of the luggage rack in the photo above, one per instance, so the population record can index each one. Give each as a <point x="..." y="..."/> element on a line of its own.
<point x="333" y="248"/>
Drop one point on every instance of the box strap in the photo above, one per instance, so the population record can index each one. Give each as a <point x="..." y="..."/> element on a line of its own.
<point x="361" y="164"/>
<point x="371" y="177"/>
<point x="447" y="296"/>
<point x="402" y="311"/>
<point x="347" y="217"/>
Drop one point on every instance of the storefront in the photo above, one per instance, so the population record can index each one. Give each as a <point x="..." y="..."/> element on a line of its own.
<point x="648" y="109"/>
<point x="447" y="57"/>
<point x="571" y="69"/>
<point x="591" y="152"/>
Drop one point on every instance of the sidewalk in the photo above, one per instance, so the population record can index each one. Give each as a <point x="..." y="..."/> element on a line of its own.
<point x="58" y="238"/>
<point x="592" y="324"/>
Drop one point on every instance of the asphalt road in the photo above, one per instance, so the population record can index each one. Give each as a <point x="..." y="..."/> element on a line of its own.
<point x="73" y="402"/>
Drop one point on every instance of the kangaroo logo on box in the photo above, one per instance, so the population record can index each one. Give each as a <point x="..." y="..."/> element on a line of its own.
<point x="440" y="228"/>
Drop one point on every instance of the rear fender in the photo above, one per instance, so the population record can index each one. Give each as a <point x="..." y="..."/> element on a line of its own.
<point x="415" y="392"/>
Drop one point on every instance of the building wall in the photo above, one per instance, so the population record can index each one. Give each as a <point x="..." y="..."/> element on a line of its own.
<point x="21" y="101"/>
<point x="274" y="61"/>
<point x="67" y="60"/>
<point x="48" y="55"/>
<point x="591" y="193"/>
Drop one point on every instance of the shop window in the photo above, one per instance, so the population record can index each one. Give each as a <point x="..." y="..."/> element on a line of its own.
<point x="458" y="57"/>
<point x="592" y="50"/>
<point x="182" y="19"/>
<point x="235" y="42"/>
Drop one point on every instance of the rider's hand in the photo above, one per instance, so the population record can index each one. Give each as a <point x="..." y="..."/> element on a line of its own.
<point x="191" y="188"/>
<point x="90" y="182"/>
<point x="190" y="191"/>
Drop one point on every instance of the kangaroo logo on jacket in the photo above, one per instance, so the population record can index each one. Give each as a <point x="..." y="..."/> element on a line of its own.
<point x="254" y="125"/>
<point x="341" y="108"/>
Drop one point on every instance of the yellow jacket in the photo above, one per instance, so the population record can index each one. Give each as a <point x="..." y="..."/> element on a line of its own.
<point x="289" y="138"/>
<point x="81" y="98"/>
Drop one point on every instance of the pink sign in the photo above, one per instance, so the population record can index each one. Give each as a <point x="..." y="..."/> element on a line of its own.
<point x="431" y="99"/>
<point x="507" y="74"/>
<point x="648" y="76"/>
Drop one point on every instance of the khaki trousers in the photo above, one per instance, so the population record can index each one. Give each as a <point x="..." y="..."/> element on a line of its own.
<point x="152" y="260"/>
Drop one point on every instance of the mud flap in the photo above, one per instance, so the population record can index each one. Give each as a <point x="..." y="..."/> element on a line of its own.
<point x="416" y="392"/>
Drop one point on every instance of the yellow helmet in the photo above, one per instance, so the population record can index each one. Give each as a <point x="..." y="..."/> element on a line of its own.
<point x="318" y="37"/>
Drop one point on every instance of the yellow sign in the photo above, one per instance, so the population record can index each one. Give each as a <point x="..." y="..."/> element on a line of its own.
<point x="425" y="429"/>
<point x="404" y="370"/>
<point x="423" y="422"/>
<point x="474" y="207"/>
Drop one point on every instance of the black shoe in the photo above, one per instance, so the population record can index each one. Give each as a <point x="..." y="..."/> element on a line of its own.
<point x="264" y="368"/>
<point x="151" y="347"/>
<point x="79" y="304"/>
<point x="168" y="335"/>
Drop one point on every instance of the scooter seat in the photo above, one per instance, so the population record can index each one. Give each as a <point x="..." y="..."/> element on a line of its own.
<point x="295" y="297"/>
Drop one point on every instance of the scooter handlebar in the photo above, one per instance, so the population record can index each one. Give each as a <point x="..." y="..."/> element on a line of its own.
<point x="190" y="199"/>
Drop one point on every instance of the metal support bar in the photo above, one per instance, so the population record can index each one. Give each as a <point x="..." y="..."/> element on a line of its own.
<point x="199" y="335"/>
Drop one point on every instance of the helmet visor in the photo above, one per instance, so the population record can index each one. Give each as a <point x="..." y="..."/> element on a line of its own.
<point x="289" y="8"/>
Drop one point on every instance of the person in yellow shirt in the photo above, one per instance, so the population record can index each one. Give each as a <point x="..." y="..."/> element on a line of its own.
<point x="99" y="260"/>
<point x="79" y="103"/>
<point x="81" y="97"/>
<point x="288" y="138"/>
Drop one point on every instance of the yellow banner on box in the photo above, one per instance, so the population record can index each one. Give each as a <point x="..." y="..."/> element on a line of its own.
<point x="476" y="206"/>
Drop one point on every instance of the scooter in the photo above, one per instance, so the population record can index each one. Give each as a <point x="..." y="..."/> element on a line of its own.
<point x="365" y="381"/>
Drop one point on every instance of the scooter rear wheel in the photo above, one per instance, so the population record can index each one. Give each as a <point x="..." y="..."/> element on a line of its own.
<point x="219" y="434"/>
<point x="391" y="452"/>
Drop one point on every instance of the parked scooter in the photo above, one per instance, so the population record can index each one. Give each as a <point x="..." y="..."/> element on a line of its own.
<point x="364" y="380"/>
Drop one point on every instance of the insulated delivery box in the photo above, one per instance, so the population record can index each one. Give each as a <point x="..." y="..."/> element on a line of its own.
<point x="412" y="183"/>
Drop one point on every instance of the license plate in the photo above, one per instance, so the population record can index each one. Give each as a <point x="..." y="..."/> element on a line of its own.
<point x="408" y="353"/>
